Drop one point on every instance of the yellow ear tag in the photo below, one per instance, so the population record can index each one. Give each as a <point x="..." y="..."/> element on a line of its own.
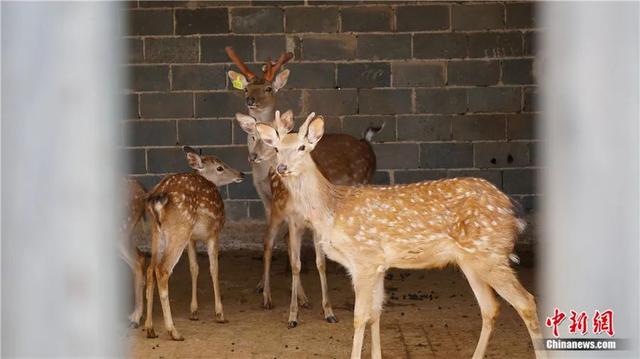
<point x="237" y="83"/>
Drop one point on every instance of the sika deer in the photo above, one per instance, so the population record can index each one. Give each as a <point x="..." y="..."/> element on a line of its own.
<point x="343" y="158"/>
<point x="186" y="207"/>
<point x="128" y="250"/>
<point x="368" y="229"/>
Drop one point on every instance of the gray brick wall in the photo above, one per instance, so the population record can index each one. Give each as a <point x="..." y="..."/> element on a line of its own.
<point x="453" y="82"/>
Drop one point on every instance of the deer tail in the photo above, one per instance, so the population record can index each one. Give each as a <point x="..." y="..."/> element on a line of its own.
<point x="155" y="204"/>
<point x="372" y="131"/>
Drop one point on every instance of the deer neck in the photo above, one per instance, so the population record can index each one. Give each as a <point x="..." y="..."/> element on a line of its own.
<point x="266" y="115"/>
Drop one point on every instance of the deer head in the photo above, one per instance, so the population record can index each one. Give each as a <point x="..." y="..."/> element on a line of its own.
<point x="293" y="151"/>
<point x="259" y="92"/>
<point x="212" y="168"/>
<point x="258" y="150"/>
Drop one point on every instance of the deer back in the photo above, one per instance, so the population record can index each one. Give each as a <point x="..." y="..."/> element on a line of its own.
<point x="345" y="160"/>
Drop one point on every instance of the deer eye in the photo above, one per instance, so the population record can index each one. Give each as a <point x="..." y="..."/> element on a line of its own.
<point x="276" y="148"/>
<point x="268" y="89"/>
<point x="219" y="169"/>
<point x="301" y="148"/>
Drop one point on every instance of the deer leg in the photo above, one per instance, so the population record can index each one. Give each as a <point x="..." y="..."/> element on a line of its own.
<point x="163" y="272"/>
<point x="506" y="284"/>
<point x="321" y="265"/>
<point x="212" y="251"/>
<point x="151" y="282"/>
<point x="194" y="269"/>
<point x="138" y="282"/>
<point x="376" y="310"/>
<point x="364" y="285"/>
<point x="489" y="308"/>
<point x="275" y="222"/>
<point x="295" y="239"/>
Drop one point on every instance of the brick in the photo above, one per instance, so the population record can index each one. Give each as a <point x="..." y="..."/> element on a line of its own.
<point x="311" y="19"/>
<point x="256" y="20"/>
<point x="239" y="136"/>
<point x="148" y="78"/>
<point x="171" y="49"/>
<point x="478" y="127"/>
<point x="243" y="190"/>
<point x="368" y="74"/>
<point x="332" y="102"/>
<point x="396" y="155"/>
<point x="422" y="18"/>
<point x="204" y="132"/>
<point x="418" y="74"/>
<point x="236" y="210"/>
<point x="518" y="71"/>
<point x="439" y="46"/>
<point x="270" y="46"/>
<point x="446" y="155"/>
<point x="520" y="15"/>
<point x="381" y="178"/>
<point x="289" y="100"/>
<point x="501" y="154"/>
<point x="366" y="18"/>
<point x="495" y="99"/>
<point x="530" y="95"/>
<point x="415" y="176"/>
<point x="219" y="104"/>
<point x="213" y="48"/>
<point x="135" y="53"/>
<point x="314" y="75"/>
<point x="167" y="160"/>
<point x="163" y="3"/>
<point x="492" y="176"/>
<point x="135" y="159"/>
<point x="521" y="127"/>
<point x="356" y="125"/>
<point x="150" y="22"/>
<point x="381" y="47"/>
<point x="234" y="156"/>
<point x="149" y="181"/>
<point x="384" y="101"/>
<point x="198" y="77"/>
<point x="277" y="2"/>
<point x="332" y="124"/>
<point x="477" y="16"/>
<point x="441" y="101"/>
<point x="519" y="181"/>
<point x="202" y="21"/>
<point x="151" y="133"/>
<point x="130" y="102"/>
<point x="256" y="210"/>
<point x="166" y="105"/>
<point x="329" y="47"/>
<point x="424" y="128"/>
<point x="530" y="42"/>
<point x="500" y="44"/>
<point x="480" y="73"/>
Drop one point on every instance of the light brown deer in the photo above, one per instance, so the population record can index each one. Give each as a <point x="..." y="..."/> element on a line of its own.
<point x="136" y="198"/>
<point x="186" y="207"/>
<point x="369" y="229"/>
<point x="343" y="159"/>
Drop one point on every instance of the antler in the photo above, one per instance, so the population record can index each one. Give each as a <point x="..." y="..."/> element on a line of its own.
<point x="236" y="60"/>
<point x="272" y="68"/>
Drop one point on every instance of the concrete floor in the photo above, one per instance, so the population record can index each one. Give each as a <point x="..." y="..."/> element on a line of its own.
<point x="429" y="314"/>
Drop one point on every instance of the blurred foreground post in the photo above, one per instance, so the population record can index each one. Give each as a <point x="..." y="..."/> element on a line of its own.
<point x="60" y="104"/>
<point x="590" y="244"/>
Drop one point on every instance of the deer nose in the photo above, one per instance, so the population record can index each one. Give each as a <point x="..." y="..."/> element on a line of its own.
<point x="281" y="168"/>
<point x="241" y="175"/>
<point x="251" y="101"/>
<point x="253" y="157"/>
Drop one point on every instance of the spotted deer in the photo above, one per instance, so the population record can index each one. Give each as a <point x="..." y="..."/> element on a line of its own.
<point x="369" y="229"/>
<point x="136" y="197"/>
<point x="343" y="158"/>
<point x="186" y="207"/>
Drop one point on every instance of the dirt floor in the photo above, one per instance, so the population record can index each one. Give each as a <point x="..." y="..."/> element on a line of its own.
<point x="429" y="314"/>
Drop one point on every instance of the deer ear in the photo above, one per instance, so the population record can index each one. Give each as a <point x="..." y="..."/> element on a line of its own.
<point x="195" y="161"/>
<point x="284" y="123"/>
<point x="247" y="123"/>
<point x="268" y="134"/>
<point x="316" y="130"/>
<point x="281" y="80"/>
<point x="238" y="80"/>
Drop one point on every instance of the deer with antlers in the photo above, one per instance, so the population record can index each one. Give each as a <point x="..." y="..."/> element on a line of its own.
<point x="186" y="207"/>
<point x="342" y="158"/>
<point x="369" y="229"/>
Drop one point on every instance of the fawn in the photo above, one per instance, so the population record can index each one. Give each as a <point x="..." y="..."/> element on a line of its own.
<point x="368" y="229"/>
<point x="128" y="251"/>
<point x="342" y="158"/>
<point x="186" y="207"/>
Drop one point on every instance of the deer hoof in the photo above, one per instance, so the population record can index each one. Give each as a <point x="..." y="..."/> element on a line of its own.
<point x="292" y="324"/>
<point x="267" y="305"/>
<point x="151" y="333"/>
<point x="133" y="324"/>
<point x="220" y="319"/>
<point x="331" y="319"/>
<point x="194" y="315"/>
<point x="176" y="336"/>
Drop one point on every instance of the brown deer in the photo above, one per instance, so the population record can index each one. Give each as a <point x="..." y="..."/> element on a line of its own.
<point x="186" y="207"/>
<point x="343" y="158"/>
<point x="369" y="229"/>
<point x="128" y="251"/>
